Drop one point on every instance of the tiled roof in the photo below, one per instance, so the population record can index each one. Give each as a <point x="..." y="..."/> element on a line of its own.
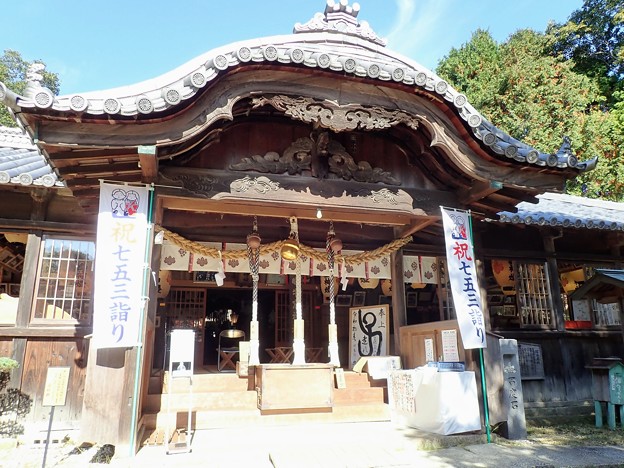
<point x="333" y="41"/>
<point x="21" y="163"/>
<point x="555" y="209"/>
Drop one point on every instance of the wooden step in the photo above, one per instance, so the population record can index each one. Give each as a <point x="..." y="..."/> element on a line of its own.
<point x="354" y="379"/>
<point x="225" y="400"/>
<point x="220" y="382"/>
<point x="203" y="383"/>
<point x="358" y="396"/>
<point x="223" y="419"/>
<point x="207" y="400"/>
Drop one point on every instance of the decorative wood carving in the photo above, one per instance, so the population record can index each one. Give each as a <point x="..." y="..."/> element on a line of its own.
<point x="295" y="159"/>
<point x="258" y="184"/>
<point x="199" y="185"/>
<point x="267" y="190"/>
<point x="336" y="117"/>
<point x="320" y="156"/>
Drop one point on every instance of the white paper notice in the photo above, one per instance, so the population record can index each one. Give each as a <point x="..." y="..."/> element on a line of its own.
<point x="429" y="357"/>
<point x="450" y="352"/>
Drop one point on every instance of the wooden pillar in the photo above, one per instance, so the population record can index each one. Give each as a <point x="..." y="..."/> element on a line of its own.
<point x="622" y="326"/>
<point x="478" y="247"/>
<point x="107" y="404"/>
<point x="553" y="279"/>
<point x="24" y="306"/>
<point x="41" y="199"/>
<point x="399" y="312"/>
<point x="109" y="407"/>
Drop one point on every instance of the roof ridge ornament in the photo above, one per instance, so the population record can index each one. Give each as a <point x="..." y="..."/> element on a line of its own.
<point x="39" y="94"/>
<point x="34" y="77"/>
<point x="340" y="17"/>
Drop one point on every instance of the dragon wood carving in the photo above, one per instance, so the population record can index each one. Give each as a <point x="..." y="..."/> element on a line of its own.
<point x="320" y="156"/>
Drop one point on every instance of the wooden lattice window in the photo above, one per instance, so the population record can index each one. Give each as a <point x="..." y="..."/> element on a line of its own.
<point x="65" y="280"/>
<point x="186" y="308"/>
<point x="533" y="295"/>
<point x="445" y="294"/>
<point x="283" y="318"/>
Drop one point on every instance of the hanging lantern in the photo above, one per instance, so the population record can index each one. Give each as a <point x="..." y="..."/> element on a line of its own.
<point x="370" y="283"/>
<point x="504" y="276"/>
<point x="386" y="287"/>
<point x="418" y="285"/>
<point x="567" y="283"/>
<point x="164" y="283"/>
<point x="577" y="275"/>
<point x="290" y="247"/>
<point x="16" y="237"/>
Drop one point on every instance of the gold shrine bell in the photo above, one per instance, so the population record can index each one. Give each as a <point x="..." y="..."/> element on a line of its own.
<point x="290" y="247"/>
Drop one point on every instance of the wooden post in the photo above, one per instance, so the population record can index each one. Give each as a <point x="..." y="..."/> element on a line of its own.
<point x="107" y="405"/>
<point x="24" y="306"/>
<point x="399" y="312"/>
<point x="553" y="279"/>
<point x="476" y="239"/>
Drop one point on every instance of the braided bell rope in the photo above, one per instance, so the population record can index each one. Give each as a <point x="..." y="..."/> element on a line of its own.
<point x="330" y="263"/>
<point x="319" y="256"/>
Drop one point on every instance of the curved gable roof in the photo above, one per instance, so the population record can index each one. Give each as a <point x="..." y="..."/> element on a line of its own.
<point x="334" y="61"/>
<point x="331" y="41"/>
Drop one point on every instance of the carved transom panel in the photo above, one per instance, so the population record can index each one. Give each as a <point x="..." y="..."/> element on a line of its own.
<point x="336" y="117"/>
<point x="321" y="156"/>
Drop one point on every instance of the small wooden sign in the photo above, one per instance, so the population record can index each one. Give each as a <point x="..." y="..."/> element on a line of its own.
<point x="55" y="391"/>
<point x="340" y="377"/>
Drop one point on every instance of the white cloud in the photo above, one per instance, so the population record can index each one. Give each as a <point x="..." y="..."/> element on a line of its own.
<point x="422" y="30"/>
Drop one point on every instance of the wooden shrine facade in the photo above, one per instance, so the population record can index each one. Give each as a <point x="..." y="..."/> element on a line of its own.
<point x="322" y="125"/>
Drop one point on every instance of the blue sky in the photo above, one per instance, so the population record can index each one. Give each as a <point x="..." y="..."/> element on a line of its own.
<point x="94" y="45"/>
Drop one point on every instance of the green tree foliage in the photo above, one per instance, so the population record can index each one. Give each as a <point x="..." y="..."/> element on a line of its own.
<point x="13" y="70"/>
<point x="538" y="97"/>
<point x="593" y="38"/>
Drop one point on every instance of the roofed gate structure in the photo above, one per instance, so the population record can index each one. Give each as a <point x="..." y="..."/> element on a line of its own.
<point x="325" y="121"/>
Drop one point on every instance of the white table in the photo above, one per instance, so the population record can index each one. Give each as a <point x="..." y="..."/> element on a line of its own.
<point x="439" y="402"/>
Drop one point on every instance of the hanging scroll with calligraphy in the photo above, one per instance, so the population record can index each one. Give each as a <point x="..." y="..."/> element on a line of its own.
<point x="119" y="265"/>
<point x="369" y="334"/>
<point x="463" y="277"/>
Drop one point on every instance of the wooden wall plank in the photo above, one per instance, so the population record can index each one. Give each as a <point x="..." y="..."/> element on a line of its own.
<point x="38" y="357"/>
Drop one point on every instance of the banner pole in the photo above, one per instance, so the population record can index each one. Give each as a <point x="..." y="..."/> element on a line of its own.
<point x="139" y="353"/>
<point x="485" y="399"/>
<point x="486" y="407"/>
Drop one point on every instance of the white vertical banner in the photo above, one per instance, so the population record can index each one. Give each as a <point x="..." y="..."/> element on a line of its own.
<point x="463" y="277"/>
<point x="119" y="265"/>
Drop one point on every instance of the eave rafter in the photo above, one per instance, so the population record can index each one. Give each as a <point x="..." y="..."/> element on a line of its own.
<point x="478" y="191"/>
